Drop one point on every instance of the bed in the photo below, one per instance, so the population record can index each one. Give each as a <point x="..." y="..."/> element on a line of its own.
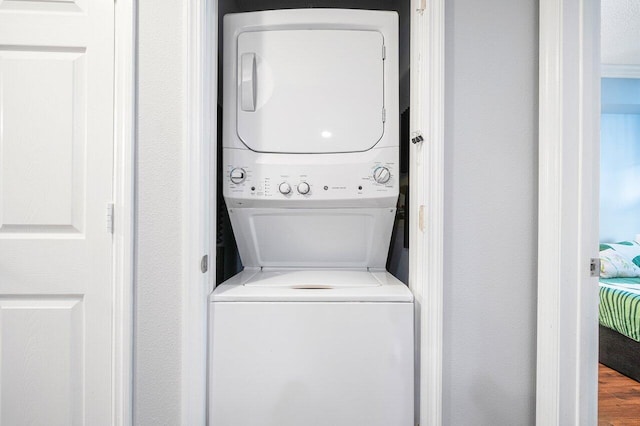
<point x="619" y="309"/>
<point x="619" y="313"/>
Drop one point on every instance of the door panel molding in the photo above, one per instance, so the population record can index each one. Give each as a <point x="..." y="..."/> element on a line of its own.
<point x="43" y="81"/>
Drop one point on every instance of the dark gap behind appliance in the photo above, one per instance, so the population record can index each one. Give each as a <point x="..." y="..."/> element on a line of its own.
<point x="227" y="258"/>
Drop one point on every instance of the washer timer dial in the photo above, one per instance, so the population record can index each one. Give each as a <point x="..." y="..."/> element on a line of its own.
<point x="381" y="174"/>
<point x="284" y="188"/>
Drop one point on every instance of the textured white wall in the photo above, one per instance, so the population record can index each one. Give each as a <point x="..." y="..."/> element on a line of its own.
<point x="490" y="212"/>
<point x="620" y="42"/>
<point x="159" y="239"/>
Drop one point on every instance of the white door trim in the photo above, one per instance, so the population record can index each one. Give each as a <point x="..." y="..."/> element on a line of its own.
<point x="125" y="119"/>
<point x="425" y="256"/>
<point x="427" y="204"/>
<point x="199" y="212"/>
<point x="568" y="212"/>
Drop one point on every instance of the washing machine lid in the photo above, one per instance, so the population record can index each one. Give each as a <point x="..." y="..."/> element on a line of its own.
<point x="308" y="285"/>
<point x="310" y="91"/>
<point x="312" y="279"/>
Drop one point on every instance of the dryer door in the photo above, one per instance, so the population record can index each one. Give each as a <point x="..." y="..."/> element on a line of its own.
<point x="310" y="91"/>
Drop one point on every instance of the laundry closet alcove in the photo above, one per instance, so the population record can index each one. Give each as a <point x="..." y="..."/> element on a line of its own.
<point x="424" y="259"/>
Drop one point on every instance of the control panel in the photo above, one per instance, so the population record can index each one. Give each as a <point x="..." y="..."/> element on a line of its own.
<point x="346" y="180"/>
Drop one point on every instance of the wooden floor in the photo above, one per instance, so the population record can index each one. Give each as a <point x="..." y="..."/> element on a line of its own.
<point x="618" y="399"/>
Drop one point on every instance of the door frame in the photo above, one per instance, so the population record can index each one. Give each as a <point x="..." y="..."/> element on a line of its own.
<point x="569" y="120"/>
<point x="199" y="203"/>
<point x="426" y="216"/>
<point x="124" y="199"/>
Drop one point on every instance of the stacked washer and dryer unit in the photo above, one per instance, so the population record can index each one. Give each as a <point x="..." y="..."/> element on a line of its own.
<point x="313" y="331"/>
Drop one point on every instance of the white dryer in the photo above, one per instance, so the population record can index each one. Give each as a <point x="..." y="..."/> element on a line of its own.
<point x="313" y="331"/>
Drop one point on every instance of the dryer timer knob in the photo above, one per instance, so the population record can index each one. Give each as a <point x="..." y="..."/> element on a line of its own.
<point x="381" y="175"/>
<point x="237" y="175"/>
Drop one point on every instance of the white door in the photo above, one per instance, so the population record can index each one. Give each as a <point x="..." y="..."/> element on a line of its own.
<point x="56" y="167"/>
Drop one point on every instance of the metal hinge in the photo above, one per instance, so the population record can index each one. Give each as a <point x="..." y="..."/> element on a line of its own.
<point x="384" y="52"/>
<point x="110" y="210"/>
<point x="594" y="267"/>
<point x="422" y="7"/>
<point x="384" y="115"/>
<point x="421" y="219"/>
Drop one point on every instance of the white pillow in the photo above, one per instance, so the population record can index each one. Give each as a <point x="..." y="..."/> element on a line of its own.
<point x="628" y="249"/>
<point x="614" y="265"/>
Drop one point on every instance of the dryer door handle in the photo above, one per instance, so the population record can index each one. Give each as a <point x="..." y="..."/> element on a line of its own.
<point x="248" y="82"/>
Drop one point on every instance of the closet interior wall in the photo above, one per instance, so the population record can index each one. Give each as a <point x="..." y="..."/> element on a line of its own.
<point x="228" y="260"/>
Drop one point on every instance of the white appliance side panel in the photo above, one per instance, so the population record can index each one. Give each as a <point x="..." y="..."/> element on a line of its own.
<point x="311" y="364"/>
<point x="310" y="91"/>
<point x="330" y="238"/>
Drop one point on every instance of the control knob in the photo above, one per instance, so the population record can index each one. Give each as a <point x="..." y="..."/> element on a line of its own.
<point x="303" y="188"/>
<point x="284" y="188"/>
<point x="381" y="174"/>
<point x="237" y="175"/>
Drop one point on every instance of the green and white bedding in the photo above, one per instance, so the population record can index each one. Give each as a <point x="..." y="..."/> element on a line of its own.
<point x="620" y="305"/>
<point x="620" y="287"/>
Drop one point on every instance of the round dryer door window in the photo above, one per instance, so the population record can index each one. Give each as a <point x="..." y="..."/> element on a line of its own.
<point x="310" y="91"/>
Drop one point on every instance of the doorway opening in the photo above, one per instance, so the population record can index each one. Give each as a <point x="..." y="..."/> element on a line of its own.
<point x="619" y="284"/>
<point x="619" y="233"/>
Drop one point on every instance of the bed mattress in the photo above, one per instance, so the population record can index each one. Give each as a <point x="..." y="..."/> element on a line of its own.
<point x="620" y="305"/>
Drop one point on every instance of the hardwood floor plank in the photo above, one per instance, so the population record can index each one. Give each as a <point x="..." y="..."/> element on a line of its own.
<point x="618" y="399"/>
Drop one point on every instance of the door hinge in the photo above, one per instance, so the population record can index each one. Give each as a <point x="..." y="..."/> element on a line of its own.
<point x="422" y="6"/>
<point x="384" y="52"/>
<point x="384" y="115"/>
<point x="110" y="210"/>
<point x="421" y="224"/>
<point x="594" y="267"/>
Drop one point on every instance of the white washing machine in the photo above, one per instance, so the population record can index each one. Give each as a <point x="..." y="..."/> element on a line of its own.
<point x="313" y="331"/>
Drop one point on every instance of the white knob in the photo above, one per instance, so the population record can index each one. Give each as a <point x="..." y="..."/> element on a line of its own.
<point x="284" y="188"/>
<point x="381" y="175"/>
<point x="303" y="188"/>
<point x="237" y="175"/>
